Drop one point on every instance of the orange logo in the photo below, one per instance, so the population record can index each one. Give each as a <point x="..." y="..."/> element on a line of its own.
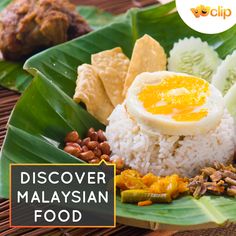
<point x="202" y="10"/>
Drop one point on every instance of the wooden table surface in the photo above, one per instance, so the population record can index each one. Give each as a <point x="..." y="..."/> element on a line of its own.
<point x="7" y="101"/>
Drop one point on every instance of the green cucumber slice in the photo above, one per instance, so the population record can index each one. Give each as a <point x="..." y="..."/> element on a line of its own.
<point x="230" y="101"/>
<point x="194" y="57"/>
<point x="225" y="76"/>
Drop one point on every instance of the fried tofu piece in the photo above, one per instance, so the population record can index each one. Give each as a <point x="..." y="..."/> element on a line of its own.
<point x="148" y="56"/>
<point x="112" y="66"/>
<point x="90" y="91"/>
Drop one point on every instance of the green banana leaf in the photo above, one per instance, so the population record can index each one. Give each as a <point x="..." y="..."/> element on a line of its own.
<point x="46" y="112"/>
<point x="4" y="3"/>
<point x="13" y="76"/>
<point x="96" y="17"/>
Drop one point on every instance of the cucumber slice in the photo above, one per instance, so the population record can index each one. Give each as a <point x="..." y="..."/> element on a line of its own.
<point x="225" y="76"/>
<point x="230" y="101"/>
<point x="194" y="57"/>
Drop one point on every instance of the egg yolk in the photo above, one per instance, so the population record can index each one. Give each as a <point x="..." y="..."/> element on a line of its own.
<point x="177" y="96"/>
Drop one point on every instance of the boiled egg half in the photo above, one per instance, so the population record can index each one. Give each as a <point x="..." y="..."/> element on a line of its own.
<point x="174" y="103"/>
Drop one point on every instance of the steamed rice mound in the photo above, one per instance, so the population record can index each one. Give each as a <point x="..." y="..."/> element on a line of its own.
<point x="164" y="154"/>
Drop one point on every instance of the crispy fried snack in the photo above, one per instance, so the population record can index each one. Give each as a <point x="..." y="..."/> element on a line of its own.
<point x="112" y="66"/>
<point x="148" y="56"/>
<point x="90" y="91"/>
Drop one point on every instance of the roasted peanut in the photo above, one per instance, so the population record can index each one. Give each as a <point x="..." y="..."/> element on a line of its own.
<point x="80" y="142"/>
<point x="101" y="136"/>
<point x="92" y="145"/>
<point x="78" y="151"/>
<point x="96" y="160"/>
<point x="105" y="157"/>
<point x="86" y="141"/>
<point x="119" y="164"/>
<point x="90" y="131"/>
<point x="73" y="144"/>
<point x="92" y="134"/>
<point x="85" y="148"/>
<point x="105" y="147"/>
<point x="73" y="136"/>
<point x="87" y="156"/>
<point x="92" y="149"/>
<point x="97" y="152"/>
<point x="71" y="150"/>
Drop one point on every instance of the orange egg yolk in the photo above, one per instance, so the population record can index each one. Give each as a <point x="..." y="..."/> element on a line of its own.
<point x="178" y="97"/>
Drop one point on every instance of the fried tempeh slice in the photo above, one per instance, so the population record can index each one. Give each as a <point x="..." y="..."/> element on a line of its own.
<point x="112" y="66"/>
<point x="90" y="91"/>
<point x="148" y="56"/>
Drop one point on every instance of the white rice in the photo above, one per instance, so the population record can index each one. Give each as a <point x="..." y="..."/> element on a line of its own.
<point x="165" y="155"/>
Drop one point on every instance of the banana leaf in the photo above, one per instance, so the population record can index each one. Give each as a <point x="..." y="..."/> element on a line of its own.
<point x="46" y="112"/>
<point x="96" y="17"/>
<point x="12" y="75"/>
<point x="4" y="3"/>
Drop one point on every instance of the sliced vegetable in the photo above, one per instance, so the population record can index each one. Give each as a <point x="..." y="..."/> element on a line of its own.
<point x="172" y="185"/>
<point x="230" y="98"/>
<point x="138" y="195"/>
<point x="131" y="179"/>
<point x="225" y="76"/>
<point x="195" y="57"/>
<point x="145" y="203"/>
<point x="149" y="188"/>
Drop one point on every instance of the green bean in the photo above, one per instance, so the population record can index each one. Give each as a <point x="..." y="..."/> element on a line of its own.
<point x="138" y="195"/>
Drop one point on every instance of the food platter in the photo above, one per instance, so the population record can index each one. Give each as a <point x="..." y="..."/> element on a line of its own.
<point x="46" y="112"/>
